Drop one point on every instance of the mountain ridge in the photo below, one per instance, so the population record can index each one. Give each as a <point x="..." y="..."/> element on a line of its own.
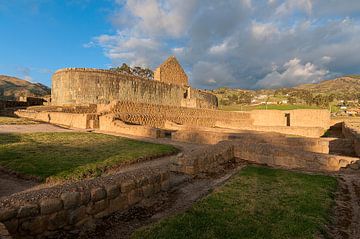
<point x="12" y="87"/>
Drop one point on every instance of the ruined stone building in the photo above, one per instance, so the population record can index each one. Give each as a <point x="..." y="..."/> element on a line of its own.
<point x="78" y="86"/>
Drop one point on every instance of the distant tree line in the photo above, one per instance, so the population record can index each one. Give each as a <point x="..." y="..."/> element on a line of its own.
<point x="135" y="71"/>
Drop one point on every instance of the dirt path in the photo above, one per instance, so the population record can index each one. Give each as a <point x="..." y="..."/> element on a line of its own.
<point x="346" y="221"/>
<point x="10" y="184"/>
<point x="31" y="128"/>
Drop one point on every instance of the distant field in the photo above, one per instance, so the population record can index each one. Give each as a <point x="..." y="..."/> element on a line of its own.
<point x="4" y="120"/>
<point x="256" y="203"/>
<point x="264" y="107"/>
<point x="71" y="155"/>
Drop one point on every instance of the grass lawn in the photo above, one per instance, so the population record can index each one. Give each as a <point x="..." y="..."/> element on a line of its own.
<point x="71" y="155"/>
<point x="4" y="120"/>
<point x="256" y="203"/>
<point x="263" y="107"/>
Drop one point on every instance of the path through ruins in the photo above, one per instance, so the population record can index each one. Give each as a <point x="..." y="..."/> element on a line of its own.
<point x="346" y="221"/>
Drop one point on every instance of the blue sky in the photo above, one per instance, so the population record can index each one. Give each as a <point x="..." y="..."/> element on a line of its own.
<point x="39" y="37"/>
<point x="234" y="43"/>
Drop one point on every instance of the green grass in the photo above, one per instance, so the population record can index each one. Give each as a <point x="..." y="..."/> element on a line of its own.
<point x="61" y="156"/>
<point x="256" y="203"/>
<point x="264" y="107"/>
<point x="4" y="120"/>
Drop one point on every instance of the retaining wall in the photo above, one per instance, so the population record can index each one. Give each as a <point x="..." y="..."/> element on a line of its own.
<point x="111" y="124"/>
<point x="298" y="118"/>
<point x="45" y="212"/>
<point x="351" y="130"/>
<point x="210" y="158"/>
<point x="207" y="159"/>
<point x="318" y="145"/>
<point x="290" y="158"/>
<point x="81" y="121"/>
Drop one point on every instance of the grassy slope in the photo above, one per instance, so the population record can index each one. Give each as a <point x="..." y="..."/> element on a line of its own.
<point x="15" y="121"/>
<point x="71" y="155"/>
<point x="256" y="203"/>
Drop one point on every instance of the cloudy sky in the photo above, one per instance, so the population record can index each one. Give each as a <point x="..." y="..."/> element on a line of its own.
<point x="234" y="43"/>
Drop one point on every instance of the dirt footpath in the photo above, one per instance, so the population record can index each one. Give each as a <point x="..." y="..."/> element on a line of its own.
<point x="32" y="128"/>
<point x="346" y="221"/>
<point x="10" y="184"/>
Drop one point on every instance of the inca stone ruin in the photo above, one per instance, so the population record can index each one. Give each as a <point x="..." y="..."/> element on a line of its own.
<point x="168" y="108"/>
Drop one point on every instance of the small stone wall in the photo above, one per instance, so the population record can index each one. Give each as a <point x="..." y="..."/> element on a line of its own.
<point x="318" y="145"/>
<point x="80" y="121"/>
<point x="297" y="118"/>
<point x="351" y="130"/>
<point x="210" y="158"/>
<point x="109" y="123"/>
<point x="290" y="158"/>
<point x="47" y="211"/>
<point x="204" y="160"/>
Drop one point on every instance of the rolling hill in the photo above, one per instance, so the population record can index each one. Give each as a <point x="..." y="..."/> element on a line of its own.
<point x="11" y="88"/>
<point x="342" y="85"/>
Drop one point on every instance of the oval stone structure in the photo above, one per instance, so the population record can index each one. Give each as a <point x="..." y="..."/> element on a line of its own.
<point x="83" y="86"/>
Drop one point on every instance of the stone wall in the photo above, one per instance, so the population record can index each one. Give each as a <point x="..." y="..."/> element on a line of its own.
<point x="90" y="86"/>
<point x="45" y="212"/>
<point x="207" y="159"/>
<point x="298" y="118"/>
<point x="171" y="72"/>
<point x="156" y="115"/>
<point x="109" y="123"/>
<point x="317" y="145"/>
<point x="351" y="130"/>
<point x="271" y="155"/>
<point x="80" y="121"/>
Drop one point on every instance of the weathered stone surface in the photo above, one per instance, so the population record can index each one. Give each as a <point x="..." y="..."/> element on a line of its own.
<point x="117" y="204"/>
<point x="86" y="86"/>
<point x="127" y="186"/>
<point x="112" y="191"/>
<point x="171" y="72"/>
<point x="148" y="190"/>
<point x="134" y="196"/>
<point x="57" y="220"/>
<point x="4" y="233"/>
<point x="48" y="206"/>
<point x="98" y="194"/>
<point x="7" y="214"/>
<point x="70" y="199"/>
<point x="12" y="225"/>
<point x="35" y="225"/>
<point x="85" y="197"/>
<point x="76" y="215"/>
<point x="97" y="207"/>
<point x="28" y="211"/>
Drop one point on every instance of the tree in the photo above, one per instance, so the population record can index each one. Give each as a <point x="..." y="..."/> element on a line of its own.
<point x="136" y="71"/>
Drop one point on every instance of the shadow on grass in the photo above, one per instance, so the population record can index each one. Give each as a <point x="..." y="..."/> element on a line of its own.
<point x="72" y="159"/>
<point x="9" y="138"/>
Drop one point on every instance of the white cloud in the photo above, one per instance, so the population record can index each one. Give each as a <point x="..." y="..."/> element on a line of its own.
<point x="289" y="6"/>
<point x="264" y="31"/>
<point x="294" y="73"/>
<point x="238" y="43"/>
